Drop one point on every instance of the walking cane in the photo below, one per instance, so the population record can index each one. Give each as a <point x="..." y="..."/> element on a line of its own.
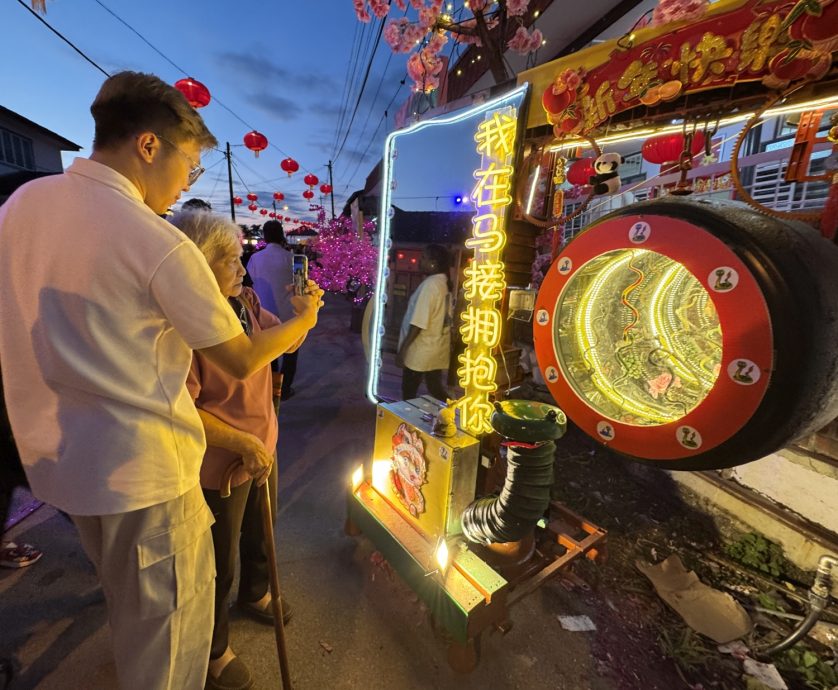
<point x="270" y="548"/>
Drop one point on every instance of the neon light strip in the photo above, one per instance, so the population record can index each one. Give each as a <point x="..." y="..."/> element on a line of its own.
<point x="384" y="231"/>
<point x="831" y="101"/>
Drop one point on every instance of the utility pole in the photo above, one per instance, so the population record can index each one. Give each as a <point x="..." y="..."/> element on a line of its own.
<point x="332" y="194"/>
<point x="230" y="182"/>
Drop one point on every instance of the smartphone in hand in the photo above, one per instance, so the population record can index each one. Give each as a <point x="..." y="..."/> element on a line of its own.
<point x="299" y="270"/>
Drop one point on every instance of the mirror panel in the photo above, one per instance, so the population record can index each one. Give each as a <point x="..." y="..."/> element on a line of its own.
<point x="427" y="178"/>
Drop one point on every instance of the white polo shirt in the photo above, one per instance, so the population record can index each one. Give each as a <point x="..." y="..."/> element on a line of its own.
<point x="101" y="302"/>
<point x="429" y="308"/>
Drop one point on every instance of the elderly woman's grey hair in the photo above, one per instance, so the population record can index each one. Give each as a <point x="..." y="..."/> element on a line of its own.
<point x="212" y="233"/>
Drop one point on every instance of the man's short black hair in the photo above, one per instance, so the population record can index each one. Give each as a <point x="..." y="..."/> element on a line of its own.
<point x="273" y="233"/>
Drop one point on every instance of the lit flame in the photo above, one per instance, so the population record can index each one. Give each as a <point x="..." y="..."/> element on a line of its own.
<point x="442" y="555"/>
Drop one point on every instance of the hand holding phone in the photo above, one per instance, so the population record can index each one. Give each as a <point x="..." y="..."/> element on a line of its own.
<point x="299" y="271"/>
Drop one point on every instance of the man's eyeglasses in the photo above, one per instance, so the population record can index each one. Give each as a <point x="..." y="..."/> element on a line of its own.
<point x="195" y="169"/>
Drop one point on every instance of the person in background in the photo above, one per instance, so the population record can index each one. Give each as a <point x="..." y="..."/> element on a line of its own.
<point x="425" y="337"/>
<point x="240" y="425"/>
<point x="98" y="320"/>
<point x="196" y="205"/>
<point x="271" y="273"/>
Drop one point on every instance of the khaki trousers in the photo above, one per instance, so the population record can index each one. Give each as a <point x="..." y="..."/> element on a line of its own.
<point x="157" y="570"/>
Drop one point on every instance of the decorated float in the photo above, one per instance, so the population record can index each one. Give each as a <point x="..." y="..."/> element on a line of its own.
<point x="679" y="332"/>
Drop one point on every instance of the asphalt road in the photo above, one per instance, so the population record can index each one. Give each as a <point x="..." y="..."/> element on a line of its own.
<point x="355" y="625"/>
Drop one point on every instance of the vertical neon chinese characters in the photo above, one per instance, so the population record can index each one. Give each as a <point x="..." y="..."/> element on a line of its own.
<point x="484" y="276"/>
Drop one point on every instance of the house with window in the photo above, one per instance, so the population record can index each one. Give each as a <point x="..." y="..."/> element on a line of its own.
<point x="27" y="150"/>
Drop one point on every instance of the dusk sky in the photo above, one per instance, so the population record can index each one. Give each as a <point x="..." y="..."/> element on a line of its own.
<point x="288" y="69"/>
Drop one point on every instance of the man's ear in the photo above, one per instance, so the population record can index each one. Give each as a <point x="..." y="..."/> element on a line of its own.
<point x="148" y="146"/>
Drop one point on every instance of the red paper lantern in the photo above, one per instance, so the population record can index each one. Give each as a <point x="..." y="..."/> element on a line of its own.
<point x="263" y="211"/>
<point x="308" y="194"/>
<point x="256" y="141"/>
<point x="311" y="180"/>
<point x="196" y="93"/>
<point x="237" y="200"/>
<point x="287" y="218"/>
<point x="667" y="148"/>
<point x="272" y="215"/>
<point x="252" y="197"/>
<point x="580" y="171"/>
<point x="279" y="196"/>
<point x="326" y="188"/>
<point x="290" y="166"/>
<point x="253" y="207"/>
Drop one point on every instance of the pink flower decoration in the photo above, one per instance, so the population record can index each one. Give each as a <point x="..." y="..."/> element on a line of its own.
<point x="678" y="10"/>
<point x="401" y="35"/>
<point x="571" y="79"/>
<point x="379" y="8"/>
<point x="401" y="4"/>
<point x="436" y="43"/>
<point x="524" y="42"/>
<point x="517" y="8"/>
<point x="417" y="4"/>
<point x="423" y="68"/>
<point x="427" y="17"/>
<point x="361" y="11"/>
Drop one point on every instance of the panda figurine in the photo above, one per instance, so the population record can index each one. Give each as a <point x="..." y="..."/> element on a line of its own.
<point x="607" y="177"/>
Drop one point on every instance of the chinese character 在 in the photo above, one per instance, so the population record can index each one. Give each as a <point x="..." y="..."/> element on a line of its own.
<point x="492" y="188"/>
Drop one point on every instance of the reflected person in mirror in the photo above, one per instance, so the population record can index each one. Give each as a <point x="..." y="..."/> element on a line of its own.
<point x="425" y="338"/>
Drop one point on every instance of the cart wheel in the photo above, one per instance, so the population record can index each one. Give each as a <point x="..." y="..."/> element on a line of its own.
<point x="350" y="529"/>
<point x="463" y="658"/>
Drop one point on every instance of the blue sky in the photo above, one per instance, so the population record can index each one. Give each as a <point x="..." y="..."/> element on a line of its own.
<point x="282" y="67"/>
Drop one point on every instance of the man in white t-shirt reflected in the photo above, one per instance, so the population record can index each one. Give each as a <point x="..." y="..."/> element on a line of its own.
<point x="425" y="337"/>
<point x="99" y="315"/>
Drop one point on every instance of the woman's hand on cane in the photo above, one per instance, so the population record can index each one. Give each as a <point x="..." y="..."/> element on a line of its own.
<point x="256" y="460"/>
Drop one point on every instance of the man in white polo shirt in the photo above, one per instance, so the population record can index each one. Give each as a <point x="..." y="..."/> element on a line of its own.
<point x="98" y="316"/>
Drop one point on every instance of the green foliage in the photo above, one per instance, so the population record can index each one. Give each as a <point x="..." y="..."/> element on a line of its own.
<point x="806" y="664"/>
<point x="757" y="552"/>
<point x="687" y="650"/>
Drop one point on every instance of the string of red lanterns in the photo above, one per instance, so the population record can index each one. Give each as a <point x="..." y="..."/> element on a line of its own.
<point x="198" y="96"/>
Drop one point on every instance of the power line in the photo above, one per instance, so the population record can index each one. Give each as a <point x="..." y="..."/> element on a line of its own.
<point x="372" y="137"/>
<point x="185" y="73"/>
<point x="361" y="93"/>
<point x="344" y="99"/>
<point x="62" y="37"/>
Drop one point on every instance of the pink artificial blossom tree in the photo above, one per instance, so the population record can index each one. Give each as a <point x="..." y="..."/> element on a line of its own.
<point x="424" y="28"/>
<point x="344" y="262"/>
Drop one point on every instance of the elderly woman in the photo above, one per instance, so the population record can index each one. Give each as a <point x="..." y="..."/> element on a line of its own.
<point x="240" y="425"/>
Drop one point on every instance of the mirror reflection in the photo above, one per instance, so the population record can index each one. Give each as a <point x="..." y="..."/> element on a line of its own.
<point x="426" y="217"/>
